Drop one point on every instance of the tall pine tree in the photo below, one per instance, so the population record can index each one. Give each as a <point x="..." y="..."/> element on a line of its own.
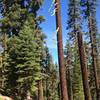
<point x="74" y="24"/>
<point x="89" y="7"/>
<point x="63" y="83"/>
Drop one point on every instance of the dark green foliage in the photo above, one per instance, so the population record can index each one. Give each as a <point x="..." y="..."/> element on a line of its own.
<point x="15" y="13"/>
<point x="77" y="78"/>
<point x="89" y="13"/>
<point x="26" y="61"/>
<point x="74" y="25"/>
<point x="24" y="48"/>
<point x="74" y="19"/>
<point x="51" y="78"/>
<point x="69" y="69"/>
<point x="23" y="62"/>
<point x="3" y="63"/>
<point x="74" y="72"/>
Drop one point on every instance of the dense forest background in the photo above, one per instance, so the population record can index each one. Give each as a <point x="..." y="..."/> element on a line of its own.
<point x="28" y="68"/>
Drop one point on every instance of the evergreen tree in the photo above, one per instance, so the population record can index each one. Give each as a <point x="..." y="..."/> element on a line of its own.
<point x="90" y="14"/>
<point x="74" y="25"/>
<point x="62" y="75"/>
<point x="13" y="20"/>
<point x="4" y="55"/>
<point x="77" y="78"/>
<point x="15" y="12"/>
<point x="74" y="72"/>
<point x="23" y="62"/>
<point x="69" y="68"/>
<point x="51" y="77"/>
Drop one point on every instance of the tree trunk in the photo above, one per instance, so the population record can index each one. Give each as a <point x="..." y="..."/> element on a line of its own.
<point x="94" y="55"/>
<point x="59" y="91"/>
<point x="69" y="73"/>
<point x="83" y="67"/>
<point x="40" y="90"/>
<point x="64" y="92"/>
<point x="5" y="43"/>
<point x="70" y="92"/>
<point x="3" y="65"/>
<point x="1" y="74"/>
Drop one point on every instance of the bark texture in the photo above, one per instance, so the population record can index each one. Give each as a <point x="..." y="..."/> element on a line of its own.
<point x="83" y="67"/>
<point x="64" y="92"/>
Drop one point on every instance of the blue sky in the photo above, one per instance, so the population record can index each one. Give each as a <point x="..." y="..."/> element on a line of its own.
<point x="49" y="26"/>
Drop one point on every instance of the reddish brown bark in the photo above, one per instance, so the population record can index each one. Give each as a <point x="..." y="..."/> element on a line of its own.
<point x="40" y="90"/>
<point x="94" y="55"/>
<point x="64" y="92"/>
<point x="87" y="93"/>
<point x="92" y="26"/>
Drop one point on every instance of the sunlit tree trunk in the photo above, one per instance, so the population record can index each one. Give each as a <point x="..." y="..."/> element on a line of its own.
<point x="83" y="67"/>
<point x="64" y="92"/>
